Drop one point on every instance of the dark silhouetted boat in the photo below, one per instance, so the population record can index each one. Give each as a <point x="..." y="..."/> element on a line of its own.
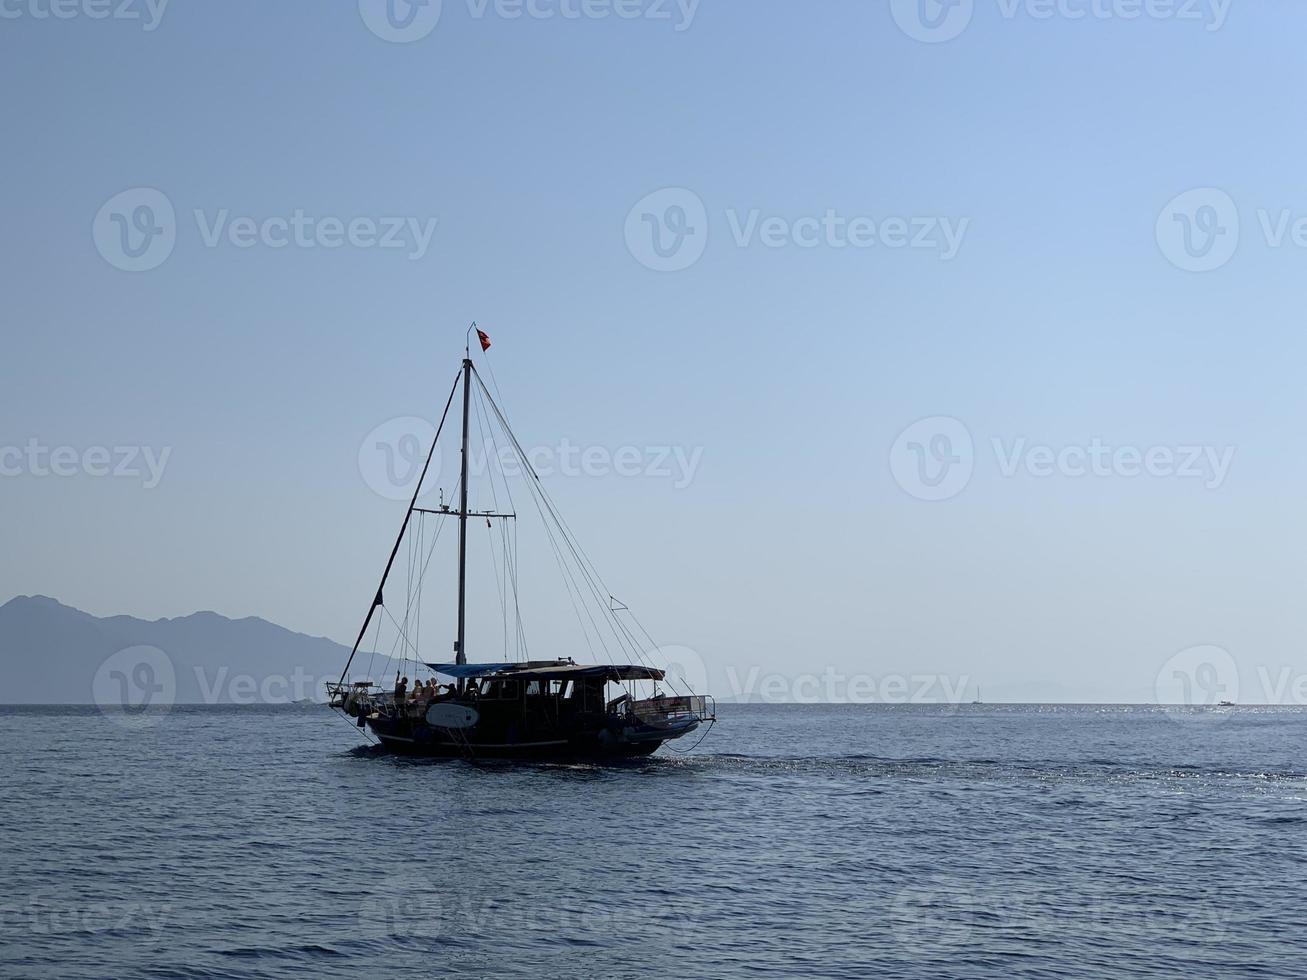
<point x="527" y="709"/>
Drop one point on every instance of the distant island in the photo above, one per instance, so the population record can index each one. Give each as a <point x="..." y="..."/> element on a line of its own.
<point x="52" y="653"/>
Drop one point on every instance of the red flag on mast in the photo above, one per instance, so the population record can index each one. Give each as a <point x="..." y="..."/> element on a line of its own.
<point x="485" y="341"/>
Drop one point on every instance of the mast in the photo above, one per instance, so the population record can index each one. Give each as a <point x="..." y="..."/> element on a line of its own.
<point x="460" y="653"/>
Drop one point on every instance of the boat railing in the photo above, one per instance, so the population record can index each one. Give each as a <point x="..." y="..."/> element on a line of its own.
<point x="674" y="710"/>
<point x="664" y="710"/>
<point x="338" y="694"/>
<point x="386" y="704"/>
<point x="365" y="697"/>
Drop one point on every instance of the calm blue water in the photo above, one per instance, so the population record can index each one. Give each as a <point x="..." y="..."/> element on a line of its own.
<point x="906" y="841"/>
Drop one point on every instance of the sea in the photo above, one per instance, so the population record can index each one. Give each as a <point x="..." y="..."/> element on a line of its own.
<point x="886" y="841"/>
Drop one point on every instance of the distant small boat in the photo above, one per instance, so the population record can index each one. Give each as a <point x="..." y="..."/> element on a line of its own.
<point x="1225" y="704"/>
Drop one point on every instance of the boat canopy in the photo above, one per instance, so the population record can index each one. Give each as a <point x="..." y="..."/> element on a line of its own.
<point x="550" y="670"/>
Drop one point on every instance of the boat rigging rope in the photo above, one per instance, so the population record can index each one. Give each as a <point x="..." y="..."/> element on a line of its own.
<point x="507" y="533"/>
<point x="417" y="600"/>
<point x="376" y="601"/>
<point x="588" y="572"/>
<point x="569" y="581"/>
<point x="500" y="586"/>
<point x="376" y="638"/>
<point x="408" y="587"/>
<point x="539" y="497"/>
<point x="696" y="744"/>
<point x="367" y="735"/>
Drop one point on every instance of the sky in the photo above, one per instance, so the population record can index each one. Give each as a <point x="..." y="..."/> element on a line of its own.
<point x="954" y="344"/>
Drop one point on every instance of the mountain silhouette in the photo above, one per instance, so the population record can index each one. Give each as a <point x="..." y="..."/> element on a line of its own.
<point x="55" y="654"/>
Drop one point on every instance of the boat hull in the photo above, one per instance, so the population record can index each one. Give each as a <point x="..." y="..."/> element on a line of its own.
<point x="416" y="738"/>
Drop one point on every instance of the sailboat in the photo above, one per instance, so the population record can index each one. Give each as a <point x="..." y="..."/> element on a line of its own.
<point x="519" y="708"/>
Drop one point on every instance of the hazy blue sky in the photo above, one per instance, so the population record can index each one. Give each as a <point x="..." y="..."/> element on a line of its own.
<point x="1063" y="312"/>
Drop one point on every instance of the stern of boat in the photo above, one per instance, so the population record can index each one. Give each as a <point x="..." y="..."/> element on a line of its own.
<point x="661" y="719"/>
